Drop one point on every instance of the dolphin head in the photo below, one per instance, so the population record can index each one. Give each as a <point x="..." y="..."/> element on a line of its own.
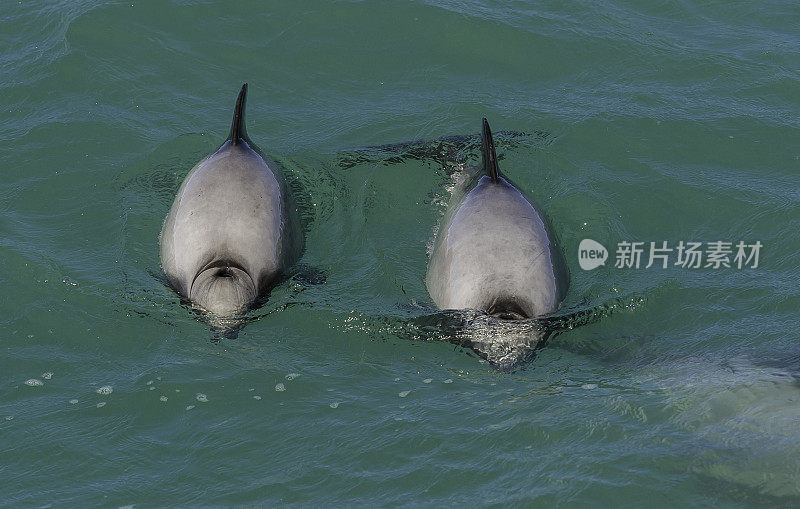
<point x="223" y="289"/>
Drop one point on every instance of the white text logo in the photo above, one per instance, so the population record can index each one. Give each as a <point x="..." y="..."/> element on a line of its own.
<point x="591" y="254"/>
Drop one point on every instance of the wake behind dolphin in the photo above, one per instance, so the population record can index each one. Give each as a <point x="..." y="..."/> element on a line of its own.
<point x="230" y="233"/>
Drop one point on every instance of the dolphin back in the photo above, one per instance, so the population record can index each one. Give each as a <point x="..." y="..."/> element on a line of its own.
<point x="495" y="251"/>
<point x="227" y="236"/>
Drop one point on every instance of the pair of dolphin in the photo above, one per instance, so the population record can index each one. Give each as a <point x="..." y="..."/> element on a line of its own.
<point x="232" y="231"/>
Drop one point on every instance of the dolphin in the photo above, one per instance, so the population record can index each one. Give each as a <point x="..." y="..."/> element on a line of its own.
<point x="231" y="231"/>
<point x="494" y="251"/>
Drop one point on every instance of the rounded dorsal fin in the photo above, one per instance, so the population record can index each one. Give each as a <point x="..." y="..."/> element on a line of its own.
<point x="238" y="129"/>
<point x="489" y="156"/>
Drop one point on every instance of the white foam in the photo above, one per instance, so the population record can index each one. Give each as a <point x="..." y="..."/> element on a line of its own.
<point x="448" y="381"/>
<point x="257" y="397"/>
<point x="73" y="402"/>
<point x="404" y="394"/>
<point x="334" y="405"/>
<point x="34" y="382"/>
<point x="202" y="398"/>
<point x="101" y="404"/>
<point x="427" y="380"/>
<point x="105" y="390"/>
<point x="189" y="407"/>
<point x="280" y="387"/>
<point x="589" y="387"/>
<point x="163" y="398"/>
<point x="292" y="376"/>
<point x="47" y="376"/>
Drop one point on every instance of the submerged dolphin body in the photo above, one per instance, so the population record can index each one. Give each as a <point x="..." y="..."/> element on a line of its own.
<point x="494" y="253"/>
<point x="230" y="233"/>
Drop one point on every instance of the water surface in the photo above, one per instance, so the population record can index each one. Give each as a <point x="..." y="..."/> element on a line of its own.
<point x="643" y="121"/>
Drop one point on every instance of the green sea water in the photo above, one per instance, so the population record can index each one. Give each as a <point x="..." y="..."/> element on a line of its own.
<point x="629" y="121"/>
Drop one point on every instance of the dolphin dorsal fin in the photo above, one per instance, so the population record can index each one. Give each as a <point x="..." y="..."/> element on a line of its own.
<point x="489" y="157"/>
<point x="238" y="129"/>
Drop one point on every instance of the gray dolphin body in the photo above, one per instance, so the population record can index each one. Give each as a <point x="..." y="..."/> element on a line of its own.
<point x="494" y="251"/>
<point x="230" y="232"/>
